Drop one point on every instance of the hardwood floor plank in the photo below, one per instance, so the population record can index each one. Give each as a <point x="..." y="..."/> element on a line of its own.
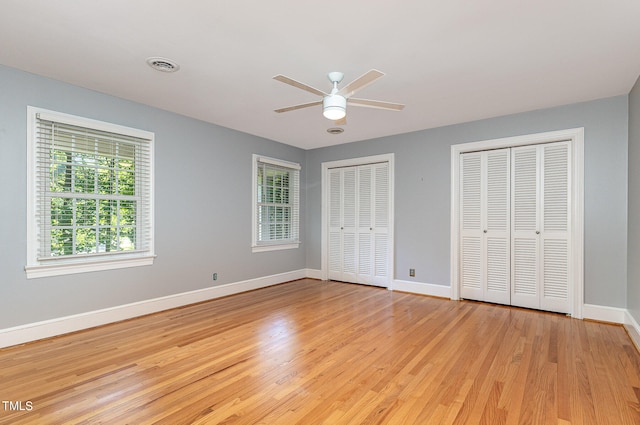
<point x="492" y="414"/>
<point x="311" y="352"/>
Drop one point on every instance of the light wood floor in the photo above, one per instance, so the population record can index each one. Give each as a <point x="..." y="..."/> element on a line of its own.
<point x="314" y="352"/>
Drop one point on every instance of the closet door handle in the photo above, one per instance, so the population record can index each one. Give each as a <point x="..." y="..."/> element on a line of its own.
<point x="485" y="230"/>
<point x="537" y="232"/>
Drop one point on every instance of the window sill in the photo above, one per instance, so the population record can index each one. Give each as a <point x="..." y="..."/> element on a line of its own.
<point x="274" y="247"/>
<point x="60" y="268"/>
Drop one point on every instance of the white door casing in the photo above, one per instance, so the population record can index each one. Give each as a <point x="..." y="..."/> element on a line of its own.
<point x="561" y="281"/>
<point x="364" y="242"/>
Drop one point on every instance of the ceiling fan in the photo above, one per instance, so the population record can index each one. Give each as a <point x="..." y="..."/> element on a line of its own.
<point x="334" y="104"/>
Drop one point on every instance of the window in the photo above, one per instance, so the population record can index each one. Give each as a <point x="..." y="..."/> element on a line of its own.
<point x="276" y="206"/>
<point x="90" y="195"/>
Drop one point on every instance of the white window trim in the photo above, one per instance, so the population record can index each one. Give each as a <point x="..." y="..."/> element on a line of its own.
<point x="273" y="246"/>
<point x="64" y="266"/>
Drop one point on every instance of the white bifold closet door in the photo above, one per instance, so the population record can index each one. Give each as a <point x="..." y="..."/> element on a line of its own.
<point x="359" y="224"/>
<point x="514" y="226"/>
<point x="485" y="228"/>
<point x="540" y="227"/>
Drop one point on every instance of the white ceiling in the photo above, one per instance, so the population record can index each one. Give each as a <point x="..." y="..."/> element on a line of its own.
<point x="449" y="61"/>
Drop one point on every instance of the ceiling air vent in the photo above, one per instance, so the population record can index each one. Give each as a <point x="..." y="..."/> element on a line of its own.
<point x="163" y="64"/>
<point x="335" y="130"/>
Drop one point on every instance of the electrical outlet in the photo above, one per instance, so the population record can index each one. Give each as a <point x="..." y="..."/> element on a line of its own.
<point x="215" y="276"/>
<point x="412" y="272"/>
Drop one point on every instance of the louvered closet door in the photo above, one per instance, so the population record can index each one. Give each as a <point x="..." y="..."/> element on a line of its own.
<point x="471" y="253"/>
<point x="359" y="224"/>
<point x="342" y="225"/>
<point x="335" y="224"/>
<point x="555" y="224"/>
<point x="365" y="224"/>
<point x="349" y="225"/>
<point x="380" y="225"/>
<point x="485" y="228"/>
<point x="497" y="241"/>
<point x="524" y="268"/>
<point x="540" y="232"/>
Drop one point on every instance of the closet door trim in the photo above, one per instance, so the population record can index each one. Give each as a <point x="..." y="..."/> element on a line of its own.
<point x="374" y="159"/>
<point x="575" y="137"/>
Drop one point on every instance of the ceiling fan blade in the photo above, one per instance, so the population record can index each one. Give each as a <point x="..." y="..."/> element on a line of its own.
<point x="341" y="121"/>
<point x="361" y="82"/>
<point x="302" y="105"/>
<point x="299" y="85"/>
<point x="378" y="104"/>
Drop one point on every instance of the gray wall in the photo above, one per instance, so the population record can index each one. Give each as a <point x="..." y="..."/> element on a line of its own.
<point x="633" y="278"/>
<point x="203" y="220"/>
<point x="423" y="186"/>
<point x="202" y="209"/>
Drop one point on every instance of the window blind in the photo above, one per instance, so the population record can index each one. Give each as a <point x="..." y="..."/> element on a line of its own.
<point x="277" y="203"/>
<point x="93" y="191"/>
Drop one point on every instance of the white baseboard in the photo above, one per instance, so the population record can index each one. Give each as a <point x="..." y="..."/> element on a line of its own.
<point x="314" y="274"/>
<point x="604" y="313"/>
<point x="633" y="329"/>
<point x="58" y="326"/>
<point x="422" y="288"/>
<point x="630" y="321"/>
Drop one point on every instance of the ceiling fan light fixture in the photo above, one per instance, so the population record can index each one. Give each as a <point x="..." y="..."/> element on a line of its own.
<point x="334" y="103"/>
<point x="334" y="113"/>
<point x="334" y="107"/>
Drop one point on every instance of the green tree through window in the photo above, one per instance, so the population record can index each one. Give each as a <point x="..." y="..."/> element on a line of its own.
<point x="93" y="201"/>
